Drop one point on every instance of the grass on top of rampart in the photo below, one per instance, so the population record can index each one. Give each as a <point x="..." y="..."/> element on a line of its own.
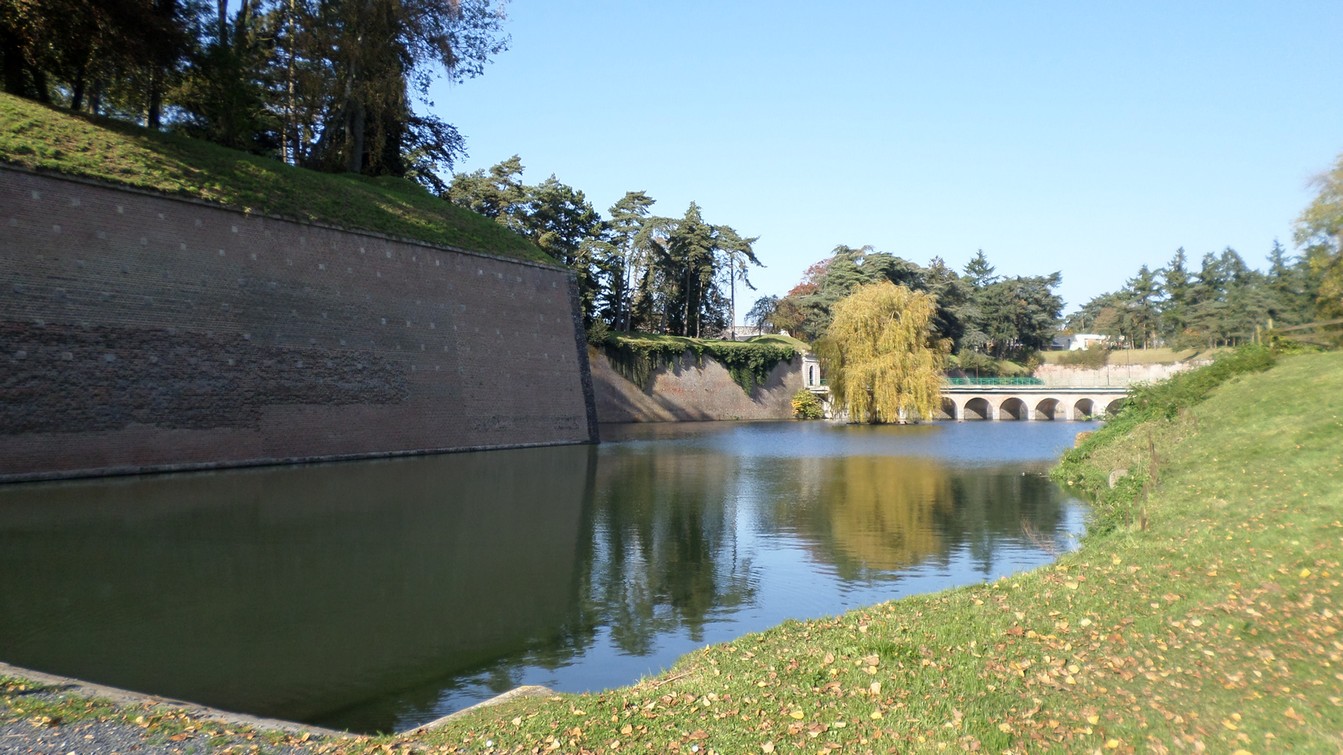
<point x="1203" y="616"/>
<point x="45" y="139"/>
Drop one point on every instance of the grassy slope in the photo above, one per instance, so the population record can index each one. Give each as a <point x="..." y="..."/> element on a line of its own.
<point x="1218" y="625"/>
<point x="45" y="139"/>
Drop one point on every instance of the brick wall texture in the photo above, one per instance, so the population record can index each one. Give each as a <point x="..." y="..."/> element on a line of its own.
<point x="139" y="333"/>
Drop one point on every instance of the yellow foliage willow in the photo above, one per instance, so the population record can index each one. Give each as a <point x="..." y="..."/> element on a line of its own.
<point x="883" y="363"/>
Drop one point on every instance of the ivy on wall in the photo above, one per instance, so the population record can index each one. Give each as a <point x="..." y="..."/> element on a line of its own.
<point x="637" y="358"/>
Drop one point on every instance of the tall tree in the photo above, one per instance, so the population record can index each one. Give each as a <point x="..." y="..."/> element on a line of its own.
<point x="1319" y="232"/>
<point x="497" y="193"/>
<point x="566" y="226"/>
<point x="690" y="266"/>
<point x="629" y="250"/>
<point x="116" y="56"/>
<point x="979" y="272"/>
<point x="761" y="314"/>
<point x="1142" y="294"/>
<point x="378" y="55"/>
<point x="1290" y="286"/>
<point x="738" y="255"/>
<point x="1019" y="315"/>
<point x="806" y="311"/>
<point x="554" y="215"/>
<point x="1177" y="287"/>
<point x="884" y="362"/>
<point x="224" y="93"/>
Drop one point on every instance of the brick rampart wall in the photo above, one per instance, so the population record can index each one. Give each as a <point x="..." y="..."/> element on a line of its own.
<point x="140" y="333"/>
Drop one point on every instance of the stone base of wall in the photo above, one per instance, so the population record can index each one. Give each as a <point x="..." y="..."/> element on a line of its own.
<point x="139" y="332"/>
<point x="692" y="392"/>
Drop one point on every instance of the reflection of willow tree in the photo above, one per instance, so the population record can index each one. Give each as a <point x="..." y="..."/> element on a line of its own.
<point x="663" y="550"/>
<point x="870" y="515"/>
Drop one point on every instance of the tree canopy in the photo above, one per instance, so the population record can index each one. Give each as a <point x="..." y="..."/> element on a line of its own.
<point x="636" y="270"/>
<point x="883" y="360"/>
<point x="327" y="84"/>
<point x="1319" y="231"/>
<point x="980" y="313"/>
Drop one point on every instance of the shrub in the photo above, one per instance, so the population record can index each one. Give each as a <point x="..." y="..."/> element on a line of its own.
<point x="1092" y="357"/>
<point x="807" y="406"/>
<point x="598" y="332"/>
<point x="978" y="363"/>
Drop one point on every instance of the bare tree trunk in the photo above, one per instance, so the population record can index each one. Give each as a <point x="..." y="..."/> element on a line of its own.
<point x="12" y="52"/>
<point x="154" y="108"/>
<point x="354" y="136"/>
<point x="291" y="137"/>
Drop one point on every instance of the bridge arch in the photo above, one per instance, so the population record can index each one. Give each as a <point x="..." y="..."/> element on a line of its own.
<point x="1084" y="408"/>
<point x="1116" y="405"/>
<point x="1047" y="409"/>
<point x="977" y="408"/>
<point x="1013" y="408"/>
<point x="949" y="410"/>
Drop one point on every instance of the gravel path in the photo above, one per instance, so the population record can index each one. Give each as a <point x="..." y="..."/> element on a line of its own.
<point x="54" y="715"/>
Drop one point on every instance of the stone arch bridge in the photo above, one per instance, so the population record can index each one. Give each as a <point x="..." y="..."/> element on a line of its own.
<point x="1028" y="402"/>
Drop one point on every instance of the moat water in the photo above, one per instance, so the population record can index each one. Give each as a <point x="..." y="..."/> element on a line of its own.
<point x="379" y="595"/>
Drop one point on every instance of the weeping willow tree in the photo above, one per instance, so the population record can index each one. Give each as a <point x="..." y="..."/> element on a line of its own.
<point x="883" y="361"/>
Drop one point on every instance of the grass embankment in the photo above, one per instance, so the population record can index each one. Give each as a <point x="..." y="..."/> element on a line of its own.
<point x="45" y="139"/>
<point x="1206" y="615"/>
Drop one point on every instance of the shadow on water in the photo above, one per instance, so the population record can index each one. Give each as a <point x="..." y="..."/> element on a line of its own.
<point x="381" y="595"/>
<point x="293" y="592"/>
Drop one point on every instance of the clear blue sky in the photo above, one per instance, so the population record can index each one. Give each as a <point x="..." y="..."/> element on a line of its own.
<point x="1080" y="137"/>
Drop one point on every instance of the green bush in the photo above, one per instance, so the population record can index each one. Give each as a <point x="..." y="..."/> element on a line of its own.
<point x="598" y="333"/>
<point x="807" y="406"/>
<point x="1092" y="357"/>
<point x="979" y="364"/>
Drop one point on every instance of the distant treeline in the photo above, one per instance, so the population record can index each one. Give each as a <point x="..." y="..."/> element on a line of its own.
<point x="1219" y="304"/>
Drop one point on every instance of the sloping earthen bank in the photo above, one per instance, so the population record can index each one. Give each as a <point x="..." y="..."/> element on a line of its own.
<point x="693" y="390"/>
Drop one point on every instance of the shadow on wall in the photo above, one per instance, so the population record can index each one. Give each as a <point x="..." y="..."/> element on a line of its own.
<point x="691" y="392"/>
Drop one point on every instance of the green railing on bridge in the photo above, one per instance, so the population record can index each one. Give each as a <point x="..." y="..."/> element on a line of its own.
<point x="995" y="381"/>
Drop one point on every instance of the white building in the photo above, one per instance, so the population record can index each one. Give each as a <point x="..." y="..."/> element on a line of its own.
<point x="1077" y="341"/>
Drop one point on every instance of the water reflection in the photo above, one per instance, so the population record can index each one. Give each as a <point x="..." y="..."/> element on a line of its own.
<point x="381" y="595"/>
<point x="663" y="553"/>
<point x="292" y="592"/>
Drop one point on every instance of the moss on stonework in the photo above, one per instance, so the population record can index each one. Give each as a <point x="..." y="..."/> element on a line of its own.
<point x="638" y="357"/>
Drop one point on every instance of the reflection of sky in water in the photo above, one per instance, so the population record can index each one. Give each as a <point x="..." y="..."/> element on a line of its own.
<point x="791" y="576"/>
<point x="960" y="443"/>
